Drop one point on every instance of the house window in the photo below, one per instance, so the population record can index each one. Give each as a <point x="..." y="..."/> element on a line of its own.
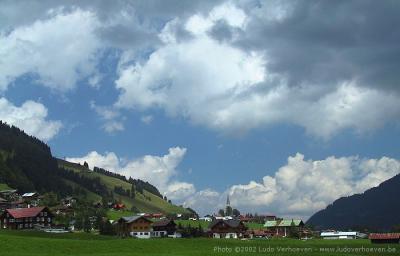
<point x="146" y="233"/>
<point x="37" y="219"/>
<point x="45" y="214"/>
<point x="48" y="219"/>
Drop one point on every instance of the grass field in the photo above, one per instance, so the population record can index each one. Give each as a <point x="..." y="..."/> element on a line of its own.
<point x="32" y="243"/>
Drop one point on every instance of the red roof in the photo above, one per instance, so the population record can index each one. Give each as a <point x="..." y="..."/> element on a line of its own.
<point x="384" y="236"/>
<point x="25" y="212"/>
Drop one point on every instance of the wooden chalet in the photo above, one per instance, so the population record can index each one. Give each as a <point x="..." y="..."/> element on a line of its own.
<point x="258" y="233"/>
<point x="385" y="238"/>
<point x="26" y="218"/>
<point x="136" y="226"/>
<point x="221" y="228"/>
<point x="282" y="227"/>
<point x="163" y="228"/>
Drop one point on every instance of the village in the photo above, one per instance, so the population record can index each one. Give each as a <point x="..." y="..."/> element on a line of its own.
<point x="27" y="211"/>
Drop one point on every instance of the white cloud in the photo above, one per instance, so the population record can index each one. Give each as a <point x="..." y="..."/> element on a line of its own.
<point x="147" y="119"/>
<point x="180" y="190"/>
<point x="111" y="117"/>
<point x="30" y="117"/>
<point x="199" y="24"/>
<point x="108" y="161"/>
<point x="60" y="49"/>
<point x="228" y="89"/>
<point x="302" y="187"/>
<point x="160" y="171"/>
<point x="297" y="189"/>
<point x="204" y="201"/>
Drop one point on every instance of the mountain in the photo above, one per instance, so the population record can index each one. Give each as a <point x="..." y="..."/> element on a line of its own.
<point x="377" y="209"/>
<point x="27" y="164"/>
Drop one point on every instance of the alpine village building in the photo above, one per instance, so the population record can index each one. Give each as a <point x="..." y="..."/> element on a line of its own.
<point x="227" y="229"/>
<point x="136" y="226"/>
<point x="164" y="228"/>
<point x="282" y="228"/>
<point x="26" y="218"/>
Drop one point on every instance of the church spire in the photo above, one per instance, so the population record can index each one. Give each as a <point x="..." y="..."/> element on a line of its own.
<point x="228" y="202"/>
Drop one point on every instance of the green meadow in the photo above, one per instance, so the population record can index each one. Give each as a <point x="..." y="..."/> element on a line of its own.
<point x="34" y="243"/>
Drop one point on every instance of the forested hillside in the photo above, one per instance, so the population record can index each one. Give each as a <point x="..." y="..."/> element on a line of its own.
<point x="26" y="164"/>
<point x="376" y="209"/>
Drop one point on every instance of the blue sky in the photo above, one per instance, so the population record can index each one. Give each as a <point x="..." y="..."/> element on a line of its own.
<point x="211" y="98"/>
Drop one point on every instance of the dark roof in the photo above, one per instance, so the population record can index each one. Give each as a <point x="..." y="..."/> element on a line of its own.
<point x="384" y="236"/>
<point x="163" y="223"/>
<point x="230" y="223"/>
<point x="25" y="212"/>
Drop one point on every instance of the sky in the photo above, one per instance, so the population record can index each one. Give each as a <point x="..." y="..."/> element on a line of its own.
<point x="284" y="105"/>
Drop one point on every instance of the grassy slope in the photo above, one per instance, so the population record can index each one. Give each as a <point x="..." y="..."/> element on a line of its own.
<point x="4" y="186"/>
<point x="32" y="243"/>
<point x="90" y="196"/>
<point x="145" y="203"/>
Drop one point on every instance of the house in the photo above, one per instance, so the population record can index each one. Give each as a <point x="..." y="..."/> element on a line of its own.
<point x="119" y="206"/>
<point x="31" y="198"/>
<point x="384" y="238"/>
<point x="227" y="229"/>
<point x="6" y="204"/>
<point x="283" y="227"/>
<point x="153" y="215"/>
<point x="26" y="218"/>
<point x="341" y="235"/>
<point x="10" y="195"/>
<point x="136" y="226"/>
<point x="164" y="228"/>
<point x="259" y="233"/>
<point x="68" y="201"/>
<point x="208" y="219"/>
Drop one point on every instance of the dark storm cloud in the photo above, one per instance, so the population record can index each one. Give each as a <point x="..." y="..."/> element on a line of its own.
<point x="329" y="41"/>
<point x="222" y="31"/>
<point x="319" y="42"/>
<point x="148" y="17"/>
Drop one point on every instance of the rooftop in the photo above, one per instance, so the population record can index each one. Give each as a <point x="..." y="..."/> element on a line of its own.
<point x="25" y="212"/>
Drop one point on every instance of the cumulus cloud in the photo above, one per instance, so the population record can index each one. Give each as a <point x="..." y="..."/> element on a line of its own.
<point x="60" y="48"/>
<point x="108" y="161"/>
<point x="229" y="88"/>
<point x="302" y="187"/>
<point x="297" y="189"/>
<point x="31" y="117"/>
<point x="229" y="66"/>
<point x="205" y="201"/>
<point x="160" y="171"/>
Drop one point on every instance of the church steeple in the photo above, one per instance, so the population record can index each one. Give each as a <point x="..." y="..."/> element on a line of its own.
<point x="228" y="202"/>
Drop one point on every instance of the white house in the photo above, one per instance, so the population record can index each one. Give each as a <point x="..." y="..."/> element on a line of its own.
<point x="342" y="235"/>
<point x="209" y="219"/>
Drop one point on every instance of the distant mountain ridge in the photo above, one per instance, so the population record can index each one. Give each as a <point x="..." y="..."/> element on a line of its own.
<point x="27" y="164"/>
<point x="377" y="209"/>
